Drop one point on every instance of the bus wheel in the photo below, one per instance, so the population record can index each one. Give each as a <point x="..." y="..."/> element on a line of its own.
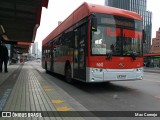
<point x="68" y="74"/>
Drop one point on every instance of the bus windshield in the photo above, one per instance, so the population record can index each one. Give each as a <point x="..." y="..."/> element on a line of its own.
<point x="116" y="35"/>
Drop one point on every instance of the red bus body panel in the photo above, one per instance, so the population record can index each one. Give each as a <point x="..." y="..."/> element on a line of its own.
<point x="114" y="62"/>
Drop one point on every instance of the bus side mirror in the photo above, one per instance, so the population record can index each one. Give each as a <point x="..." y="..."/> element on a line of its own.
<point x="144" y="36"/>
<point x="94" y="24"/>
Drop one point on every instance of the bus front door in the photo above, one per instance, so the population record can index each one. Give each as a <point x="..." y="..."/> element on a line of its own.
<point x="79" y="70"/>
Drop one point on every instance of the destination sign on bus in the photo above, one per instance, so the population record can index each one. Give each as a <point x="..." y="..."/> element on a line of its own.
<point x="116" y="22"/>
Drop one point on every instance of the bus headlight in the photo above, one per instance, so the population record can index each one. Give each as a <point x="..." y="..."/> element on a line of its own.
<point x="97" y="70"/>
<point x="139" y="69"/>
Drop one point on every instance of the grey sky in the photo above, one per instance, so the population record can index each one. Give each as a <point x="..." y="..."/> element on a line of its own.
<point x="154" y="7"/>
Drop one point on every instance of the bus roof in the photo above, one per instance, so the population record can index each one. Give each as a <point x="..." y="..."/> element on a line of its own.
<point x="84" y="10"/>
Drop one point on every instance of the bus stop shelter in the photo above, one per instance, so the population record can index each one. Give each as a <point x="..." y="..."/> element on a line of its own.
<point x="19" y="20"/>
<point x="152" y="60"/>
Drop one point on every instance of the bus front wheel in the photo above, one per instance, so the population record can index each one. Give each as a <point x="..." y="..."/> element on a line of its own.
<point x="68" y="74"/>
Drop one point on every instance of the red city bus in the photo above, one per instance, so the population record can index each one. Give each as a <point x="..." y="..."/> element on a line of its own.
<point x="96" y="44"/>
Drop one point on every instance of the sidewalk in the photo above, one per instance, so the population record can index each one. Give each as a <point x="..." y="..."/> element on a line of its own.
<point x="11" y="69"/>
<point x="31" y="92"/>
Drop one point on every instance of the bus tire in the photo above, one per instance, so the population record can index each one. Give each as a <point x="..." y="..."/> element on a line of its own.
<point x="68" y="74"/>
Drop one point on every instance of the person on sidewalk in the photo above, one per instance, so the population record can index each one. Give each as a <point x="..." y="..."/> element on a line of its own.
<point x="3" y="57"/>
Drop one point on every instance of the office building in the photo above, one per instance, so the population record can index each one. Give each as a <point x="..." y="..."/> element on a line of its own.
<point x="35" y="49"/>
<point x="139" y="6"/>
<point x="156" y="43"/>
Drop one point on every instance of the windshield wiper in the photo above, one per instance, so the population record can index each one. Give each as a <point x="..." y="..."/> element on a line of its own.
<point x="133" y="56"/>
<point x="109" y="55"/>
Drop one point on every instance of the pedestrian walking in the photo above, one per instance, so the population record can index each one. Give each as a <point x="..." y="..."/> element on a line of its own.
<point x="3" y="57"/>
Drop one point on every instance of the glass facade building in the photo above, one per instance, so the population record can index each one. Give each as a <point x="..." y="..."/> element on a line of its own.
<point x="139" y="6"/>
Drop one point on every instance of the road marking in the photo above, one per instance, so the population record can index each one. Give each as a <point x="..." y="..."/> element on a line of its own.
<point x="48" y="90"/>
<point x="63" y="108"/>
<point x="151" y="80"/>
<point x="57" y="101"/>
<point x="46" y="87"/>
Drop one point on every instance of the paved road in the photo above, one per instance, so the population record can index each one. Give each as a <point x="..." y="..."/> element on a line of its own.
<point x="142" y="95"/>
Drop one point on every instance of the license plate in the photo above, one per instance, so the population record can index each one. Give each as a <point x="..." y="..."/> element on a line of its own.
<point x="121" y="76"/>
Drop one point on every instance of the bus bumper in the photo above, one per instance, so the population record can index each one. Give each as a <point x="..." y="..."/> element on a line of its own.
<point x="105" y="75"/>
